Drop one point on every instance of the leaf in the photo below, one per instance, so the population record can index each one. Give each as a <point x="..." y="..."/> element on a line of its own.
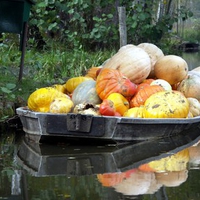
<point x="10" y="85"/>
<point x="41" y="5"/>
<point x="5" y="90"/>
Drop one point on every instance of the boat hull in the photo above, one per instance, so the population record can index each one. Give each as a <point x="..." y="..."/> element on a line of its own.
<point x="38" y="125"/>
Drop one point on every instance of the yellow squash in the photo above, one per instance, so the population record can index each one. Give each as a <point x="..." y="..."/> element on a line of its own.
<point x="166" y="104"/>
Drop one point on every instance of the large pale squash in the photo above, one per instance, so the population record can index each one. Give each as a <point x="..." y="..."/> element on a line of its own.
<point x="171" y="68"/>
<point x="85" y="92"/>
<point x="154" y="53"/>
<point x="133" y="62"/>
<point x="166" y="104"/>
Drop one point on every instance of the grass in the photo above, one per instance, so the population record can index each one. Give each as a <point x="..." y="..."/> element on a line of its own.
<point x="41" y="68"/>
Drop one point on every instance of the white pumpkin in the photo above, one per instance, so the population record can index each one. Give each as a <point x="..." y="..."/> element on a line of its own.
<point x="162" y="83"/>
<point x="154" y="53"/>
<point x="132" y="61"/>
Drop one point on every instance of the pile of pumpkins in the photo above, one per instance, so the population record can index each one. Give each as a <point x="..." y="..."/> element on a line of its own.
<point x="138" y="81"/>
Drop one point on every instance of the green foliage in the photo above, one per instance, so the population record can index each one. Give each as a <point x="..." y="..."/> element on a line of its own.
<point x="191" y="32"/>
<point x="94" y="24"/>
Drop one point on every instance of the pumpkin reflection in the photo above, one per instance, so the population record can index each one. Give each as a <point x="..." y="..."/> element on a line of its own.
<point x="194" y="153"/>
<point x="138" y="183"/>
<point x="148" y="178"/>
<point x="172" y="179"/>
<point x="175" y="162"/>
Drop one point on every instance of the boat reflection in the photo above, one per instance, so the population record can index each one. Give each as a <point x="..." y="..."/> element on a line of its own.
<point x="131" y="169"/>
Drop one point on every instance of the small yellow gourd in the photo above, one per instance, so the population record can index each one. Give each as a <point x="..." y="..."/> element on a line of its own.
<point x="61" y="105"/>
<point x="136" y="112"/>
<point x="72" y="83"/>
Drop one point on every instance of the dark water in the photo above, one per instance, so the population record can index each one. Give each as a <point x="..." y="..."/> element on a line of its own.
<point x="165" y="169"/>
<point x="192" y="59"/>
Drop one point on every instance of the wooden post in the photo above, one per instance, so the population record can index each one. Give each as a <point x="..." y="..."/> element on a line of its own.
<point x="24" y="40"/>
<point x="122" y="26"/>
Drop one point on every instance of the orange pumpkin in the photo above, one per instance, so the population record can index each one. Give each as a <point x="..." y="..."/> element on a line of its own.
<point x="113" y="81"/>
<point x="141" y="86"/>
<point x="144" y="93"/>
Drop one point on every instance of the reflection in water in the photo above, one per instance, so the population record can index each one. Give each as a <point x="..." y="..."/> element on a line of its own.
<point x="144" y="170"/>
<point x="148" y="178"/>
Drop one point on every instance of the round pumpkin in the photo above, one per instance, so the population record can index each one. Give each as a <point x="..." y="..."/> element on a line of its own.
<point x="133" y="62"/>
<point x="171" y="68"/>
<point x="41" y="99"/>
<point x="72" y="83"/>
<point x="190" y="86"/>
<point x="85" y="92"/>
<point x="166" y="104"/>
<point x="154" y="53"/>
<point x="113" y="81"/>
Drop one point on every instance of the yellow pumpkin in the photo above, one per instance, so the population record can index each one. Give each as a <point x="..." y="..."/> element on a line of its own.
<point x="171" y="68"/>
<point x="72" y="83"/>
<point x="41" y="99"/>
<point x="60" y="88"/>
<point x="61" y="105"/>
<point x="136" y="112"/>
<point x="166" y="104"/>
<point x="121" y="104"/>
